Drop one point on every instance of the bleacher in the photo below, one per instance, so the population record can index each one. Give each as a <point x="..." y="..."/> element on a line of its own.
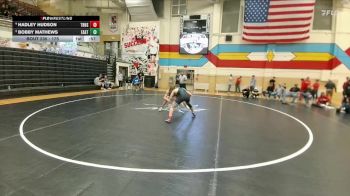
<point x="10" y="8"/>
<point x="25" y="72"/>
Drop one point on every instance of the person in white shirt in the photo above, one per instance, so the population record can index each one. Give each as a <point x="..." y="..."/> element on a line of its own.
<point x="252" y="83"/>
<point x="230" y="82"/>
<point x="98" y="81"/>
<point x="182" y="80"/>
<point x="108" y="84"/>
<point x="120" y="79"/>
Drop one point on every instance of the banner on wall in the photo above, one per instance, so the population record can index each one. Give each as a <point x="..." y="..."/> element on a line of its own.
<point x="113" y="20"/>
<point x="140" y="47"/>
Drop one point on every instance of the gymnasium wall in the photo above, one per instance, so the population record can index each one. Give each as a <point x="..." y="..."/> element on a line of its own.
<point x="326" y="55"/>
<point x="5" y="32"/>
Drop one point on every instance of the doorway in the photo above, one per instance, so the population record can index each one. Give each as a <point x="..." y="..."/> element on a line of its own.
<point x="190" y="77"/>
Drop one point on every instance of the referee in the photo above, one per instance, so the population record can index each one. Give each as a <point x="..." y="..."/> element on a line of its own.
<point x="182" y="80"/>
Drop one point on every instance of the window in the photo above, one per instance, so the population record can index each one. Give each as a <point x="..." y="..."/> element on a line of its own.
<point x="323" y="15"/>
<point x="178" y="8"/>
<point x="230" y="16"/>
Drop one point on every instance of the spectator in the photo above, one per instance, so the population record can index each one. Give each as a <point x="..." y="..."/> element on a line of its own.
<point x="252" y="83"/>
<point x="315" y="88"/>
<point x="278" y="92"/>
<point x="322" y="102"/>
<point x="307" y="96"/>
<point x="293" y="92"/>
<point x="238" y="84"/>
<point x="230" y="82"/>
<point x="177" y="80"/>
<point x="120" y="79"/>
<point x="182" y="80"/>
<point x="141" y="76"/>
<point x="330" y="88"/>
<point x="107" y="84"/>
<point x="307" y="82"/>
<point x="255" y="93"/>
<point x="136" y="83"/>
<point x="272" y="83"/>
<point x="270" y="91"/>
<point x="303" y="87"/>
<point x="345" y="107"/>
<point x="283" y="93"/>
<point x="346" y="87"/>
<point x="98" y="81"/>
<point x="246" y="92"/>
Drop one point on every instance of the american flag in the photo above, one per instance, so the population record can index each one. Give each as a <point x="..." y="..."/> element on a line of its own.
<point x="275" y="21"/>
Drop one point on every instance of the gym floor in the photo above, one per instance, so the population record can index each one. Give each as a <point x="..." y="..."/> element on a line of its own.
<point x="117" y="143"/>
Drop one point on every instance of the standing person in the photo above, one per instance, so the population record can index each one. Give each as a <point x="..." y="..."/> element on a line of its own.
<point x="120" y="79"/>
<point x="315" y="88"/>
<point x="346" y="87"/>
<point x="141" y="77"/>
<point x="177" y="81"/>
<point x="180" y="95"/>
<point x="182" y="80"/>
<point x="230" y="82"/>
<point x="330" y="88"/>
<point x="238" y="84"/>
<point x="307" y="82"/>
<point x="252" y="83"/>
<point x="303" y="88"/>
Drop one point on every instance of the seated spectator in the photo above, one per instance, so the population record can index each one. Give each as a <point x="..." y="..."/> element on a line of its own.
<point x="255" y="93"/>
<point x="246" y="92"/>
<point x="307" y="96"/>
<point x="345" y="107"/>
<point x="293" y="93"/>
<point x="128" y="83"/>
<point x="269" y="91"/>
<point x="323" y="101"/>
<point x="98" y="81"/>
<point x="107" y="84"/>
<point x="283" y="93"/>
<point x="136" y="82"/>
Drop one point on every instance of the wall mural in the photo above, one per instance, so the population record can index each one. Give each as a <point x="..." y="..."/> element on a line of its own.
<point x="273" y="56"/>
<point x="140" y="46"/>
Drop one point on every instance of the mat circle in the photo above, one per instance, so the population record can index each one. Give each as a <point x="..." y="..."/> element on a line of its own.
<point x="111" y="167"/>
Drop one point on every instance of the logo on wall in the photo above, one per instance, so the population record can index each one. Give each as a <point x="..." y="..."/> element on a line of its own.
<point x="113" y="23"/>
<point x="194" y="43"/>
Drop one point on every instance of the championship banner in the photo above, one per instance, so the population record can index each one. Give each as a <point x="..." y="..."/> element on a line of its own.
<point x="113" y="20"/>
<point x="140" y="46"/>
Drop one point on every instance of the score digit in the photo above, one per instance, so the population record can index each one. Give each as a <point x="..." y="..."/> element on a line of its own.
<point x="84" y="24"/>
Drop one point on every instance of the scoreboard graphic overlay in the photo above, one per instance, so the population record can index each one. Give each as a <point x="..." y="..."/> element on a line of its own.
<point x="56" y="29"/>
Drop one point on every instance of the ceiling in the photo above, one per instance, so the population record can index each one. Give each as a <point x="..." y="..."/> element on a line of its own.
<point x="141" y="10"/>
